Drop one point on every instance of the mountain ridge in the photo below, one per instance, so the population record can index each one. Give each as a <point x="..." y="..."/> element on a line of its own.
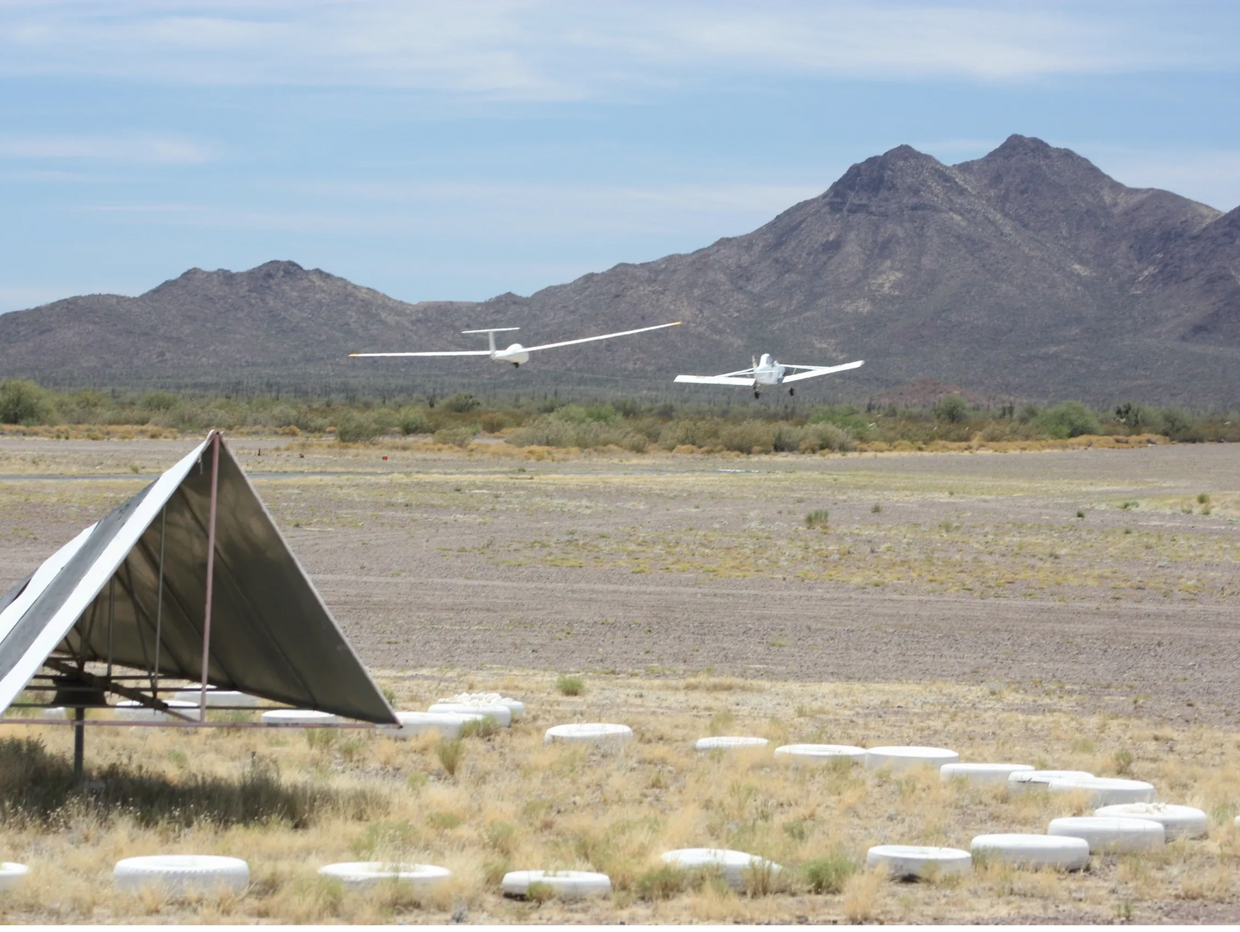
<point x="1027" y="273"/>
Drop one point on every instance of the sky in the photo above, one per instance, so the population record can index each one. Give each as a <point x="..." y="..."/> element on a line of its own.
<point x="458" y="150"/>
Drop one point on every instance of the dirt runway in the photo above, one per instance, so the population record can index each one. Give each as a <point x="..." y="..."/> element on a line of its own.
<point x="1099" y="578"/>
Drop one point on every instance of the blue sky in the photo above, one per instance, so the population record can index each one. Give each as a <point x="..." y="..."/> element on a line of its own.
<point x="458" y="150"/>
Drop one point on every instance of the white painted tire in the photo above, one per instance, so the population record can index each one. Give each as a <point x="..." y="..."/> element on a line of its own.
<point x="733" y="864"/>
<point x="729" y="743"/>
<point x="1033" y="850"/>
<point x="179" y="874"/>
<point x="1106" y="791"/>
<point x="447" y="724"/>
<point x="1023" y="780"/>
<point x="903" y="861"/>
<point x="820" y="753"/>
<point x="515" y="706"/>
<point x="982" y="773"/>
<point x="357" y="875"/>
<point x="1177" y="821"/>
<point x="298" y="717"/>
<point x="131" y="711"/>
<point x="216" y="698"/>
<point x="12" y="875"/>
<point x="567" y="885"/>
<point x="589" y="733"/>
<point x="1110" y="835"/>
<point x="501" y="713"/>
<point x="902" y="757"/>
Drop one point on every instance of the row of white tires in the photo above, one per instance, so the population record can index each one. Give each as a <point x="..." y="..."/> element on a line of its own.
<point x="181" y="874"/>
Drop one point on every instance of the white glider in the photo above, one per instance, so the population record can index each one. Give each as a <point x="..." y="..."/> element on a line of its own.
<point x="766" y="371"/>
<point x="516" y="353"/>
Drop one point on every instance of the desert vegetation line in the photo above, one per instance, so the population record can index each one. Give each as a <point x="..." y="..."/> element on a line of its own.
<point x="631" y="425"/>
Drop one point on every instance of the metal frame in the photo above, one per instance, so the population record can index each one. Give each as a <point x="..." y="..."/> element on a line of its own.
<point x="65" y="663"/>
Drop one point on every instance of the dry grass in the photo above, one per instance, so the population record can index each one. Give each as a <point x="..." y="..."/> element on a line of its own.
<point x="289" y="804"/>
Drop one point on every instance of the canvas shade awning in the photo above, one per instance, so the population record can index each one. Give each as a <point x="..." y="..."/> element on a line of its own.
<point x="131" y="591"/>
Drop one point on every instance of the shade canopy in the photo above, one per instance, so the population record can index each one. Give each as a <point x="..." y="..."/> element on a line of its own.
<point x="142" y="571"/>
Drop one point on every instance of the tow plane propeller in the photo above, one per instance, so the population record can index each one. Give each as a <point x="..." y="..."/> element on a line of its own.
<point x="516" y="353"/>
<point x="767" y="371"/>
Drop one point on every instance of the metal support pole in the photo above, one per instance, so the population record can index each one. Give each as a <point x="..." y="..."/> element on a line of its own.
<point x="206" y="624"/>
<point x="159" y="605"/>
<point x="79" y="744"/>
<point x="111" y="619"/>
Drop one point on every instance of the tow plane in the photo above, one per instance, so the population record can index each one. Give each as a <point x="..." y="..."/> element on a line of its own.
<point x="767" y="371"/>
<point x="516" y="353"/>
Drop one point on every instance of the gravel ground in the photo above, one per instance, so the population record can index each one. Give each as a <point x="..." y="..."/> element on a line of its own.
<point x="959" y="567"/>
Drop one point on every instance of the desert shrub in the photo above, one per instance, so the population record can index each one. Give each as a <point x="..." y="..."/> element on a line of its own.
<point x="663" y="883"/>
<point x="23" y="402"/>
<point x="1140" y="417"/>
<point x="159" y="401"/>
<point x="570" y="428"/>
<point x="356" y="427"/>
<point x="1067" y="419"/>
<point x="748" y="437"/>
<point x="412" y="420"/>
<point x="449" y="752"/>
<point x="479" y="728"/>
<point x="953" y="409"/>
<point x="827" y="875"/>
<point x="817" y="518"/>
<point x="461" y="403"/>
<point x="696" y="432"/>
<point x="385" y="420"/>
<point x="457" y="436"/>
<point x="570" y="685"/>
<point x="493" y="422"/>
<point x="825" y="435"/>
<point x="785" y="438"/>
<point x="1179" y="425"/>
<point x="846" y="417"/>
<point x="603" y="412"/>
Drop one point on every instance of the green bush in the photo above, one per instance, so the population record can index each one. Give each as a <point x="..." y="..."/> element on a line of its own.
<point x="159" y="401"/>
<point x="953" y="409"/>
<point x="412" y="420"/>
<point x="817" y="518"/>
<point x="23" y="402"/>
<point x="449" y="752"/>
<point x="356" y="427"/>
<point x="457" y="436"/>
<point x="461" y="403"/>
<point x="1068" y="419"/>
<point x="663" y="883"/>
<point x="1180" y="426"/>
<point x="825" y="435"/>
<point x="575" y="430"/>
<point x="827" y="875"/>
<point x="748" y="437"/>
<point x="846" y="418"/>
<point x="570" y="685"/>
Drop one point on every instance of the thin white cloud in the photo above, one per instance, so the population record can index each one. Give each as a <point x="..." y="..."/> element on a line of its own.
<point x="141" y="148"/>
<point x="479" y="210"/>
<point x="562" y="49"/>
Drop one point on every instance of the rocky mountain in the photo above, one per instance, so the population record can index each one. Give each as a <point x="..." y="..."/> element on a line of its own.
<point x="1026" y="274"/>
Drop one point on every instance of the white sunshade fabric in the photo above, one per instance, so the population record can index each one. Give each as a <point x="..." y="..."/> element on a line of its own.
<point x="102" y="597"/>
